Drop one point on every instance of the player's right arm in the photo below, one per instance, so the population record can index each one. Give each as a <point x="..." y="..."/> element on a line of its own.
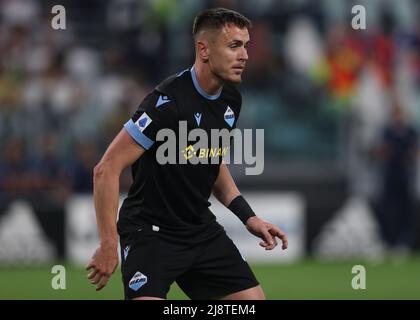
<point x="156" y="111"/>
<point x="122" y="152"/>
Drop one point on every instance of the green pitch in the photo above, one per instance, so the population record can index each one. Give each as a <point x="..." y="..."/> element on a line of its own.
<point x="308" y="279"/>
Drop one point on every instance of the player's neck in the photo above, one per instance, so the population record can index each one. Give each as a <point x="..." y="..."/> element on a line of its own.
<point x="207" y="80"/>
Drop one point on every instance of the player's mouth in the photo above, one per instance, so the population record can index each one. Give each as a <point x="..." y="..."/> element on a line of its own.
<point x="239" y="69"/>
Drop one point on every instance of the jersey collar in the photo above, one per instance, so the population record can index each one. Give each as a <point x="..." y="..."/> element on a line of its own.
<point x="201" y="90"/>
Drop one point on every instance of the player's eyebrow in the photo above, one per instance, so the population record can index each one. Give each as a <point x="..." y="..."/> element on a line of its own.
<point x="238" y="42"/>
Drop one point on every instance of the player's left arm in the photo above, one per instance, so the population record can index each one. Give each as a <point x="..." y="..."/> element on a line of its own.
<point x="226" y="191"/>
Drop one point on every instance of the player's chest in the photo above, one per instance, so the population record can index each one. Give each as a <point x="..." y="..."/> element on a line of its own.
<point x="208" y="116"/>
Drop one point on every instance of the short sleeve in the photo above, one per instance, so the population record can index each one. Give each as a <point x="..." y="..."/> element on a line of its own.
<point x="157" y="111"/>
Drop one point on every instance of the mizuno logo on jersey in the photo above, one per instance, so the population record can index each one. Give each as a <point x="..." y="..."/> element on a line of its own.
<point x="229" y="116"/>
<point x="137" y="281"/>
<point x="143" y="122"/>
<point x="162" y="100"/>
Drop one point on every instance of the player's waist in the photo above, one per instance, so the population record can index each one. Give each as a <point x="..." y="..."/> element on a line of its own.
<point x="173" y="231"/>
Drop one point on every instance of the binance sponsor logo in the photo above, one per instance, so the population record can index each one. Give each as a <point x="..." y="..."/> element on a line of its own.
<point x="190" y="152"/>
<point x="214" y="152"/>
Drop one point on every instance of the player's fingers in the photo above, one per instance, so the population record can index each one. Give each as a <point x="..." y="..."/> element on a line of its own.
<point x="102" y="283"/>
<point x="268" y="238"/>
<point x="284" y="240"/>
<point x="276" y="231"/>
<point x="263" y="244"/>
<point x="97" y="278"/>
<point x="285" y="243"/>
<point x="90" y="266"/>
<point x="272" y="246"/>
<point x="92" y="274"/>
<point x="114" y="268"/>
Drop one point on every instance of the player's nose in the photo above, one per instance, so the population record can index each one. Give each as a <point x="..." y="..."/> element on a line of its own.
<point x="243" y="54"/>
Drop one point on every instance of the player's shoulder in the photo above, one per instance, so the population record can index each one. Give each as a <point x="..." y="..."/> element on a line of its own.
<point x="166" y="92"/>
<point x="174" y="84"/>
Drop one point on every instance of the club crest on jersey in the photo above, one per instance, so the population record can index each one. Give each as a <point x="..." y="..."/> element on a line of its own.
<point x="229" y="116"/>
<point x="143" y="122"/>
<point x="197" y="118"/>
<point x="137" y="281"/>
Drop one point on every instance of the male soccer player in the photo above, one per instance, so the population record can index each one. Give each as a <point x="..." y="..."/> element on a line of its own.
<point x="167" y="232"/>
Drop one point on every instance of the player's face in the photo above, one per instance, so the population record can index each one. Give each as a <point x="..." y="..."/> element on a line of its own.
<point x="228" y="54"/>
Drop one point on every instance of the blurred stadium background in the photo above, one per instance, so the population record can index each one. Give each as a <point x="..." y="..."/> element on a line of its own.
<point x="338" y="177"/>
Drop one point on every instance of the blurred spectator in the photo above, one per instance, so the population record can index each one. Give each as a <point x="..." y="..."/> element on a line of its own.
<point x="19" y="12"/>
<point x="14" y="170"/>
<point x="86" y="158"/>
<point x="53" y="175"/>
<point x="398" y="151"/>
<point x="345" y="57"/>
<point x="261" y="68"/>
<point x="383" y="51"/>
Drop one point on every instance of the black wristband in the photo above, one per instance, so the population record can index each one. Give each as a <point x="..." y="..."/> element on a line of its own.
<point x="241" y="209"/>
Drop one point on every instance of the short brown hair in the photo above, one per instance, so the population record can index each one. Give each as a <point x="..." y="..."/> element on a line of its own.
<point x="216" y="18"/>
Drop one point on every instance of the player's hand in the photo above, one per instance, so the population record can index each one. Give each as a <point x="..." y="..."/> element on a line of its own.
<point x="267" y="232"/>
<point x="102" y="265"/>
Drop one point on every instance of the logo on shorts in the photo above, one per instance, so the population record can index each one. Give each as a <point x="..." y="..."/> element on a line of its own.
<point x="137" y="281"/>
<point x="126" y="250"/>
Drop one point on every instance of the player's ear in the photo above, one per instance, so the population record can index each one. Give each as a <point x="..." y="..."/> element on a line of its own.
<point x="203" y="50"/>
